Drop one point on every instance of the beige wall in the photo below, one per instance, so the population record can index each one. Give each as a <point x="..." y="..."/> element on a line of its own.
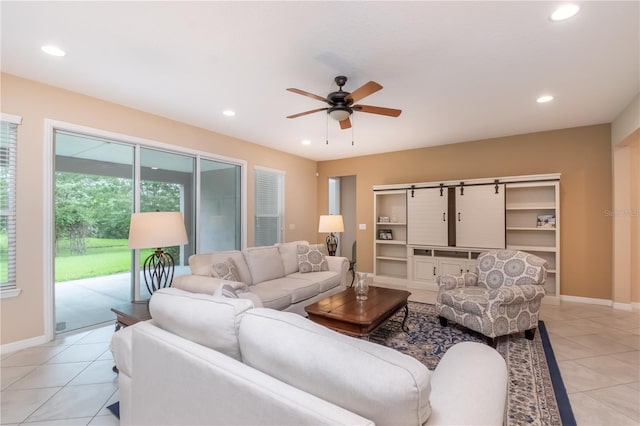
<point x="625" y="142"/>
<point x="582" y="155"/>
<point x="22" y="317"/>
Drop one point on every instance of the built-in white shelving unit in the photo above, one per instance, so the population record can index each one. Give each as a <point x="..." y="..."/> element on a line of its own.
<point x="414" y="258"/>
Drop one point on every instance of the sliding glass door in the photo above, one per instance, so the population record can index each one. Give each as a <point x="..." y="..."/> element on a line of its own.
<point x="98" y="184"/>
<point x="92" y="207"/>
<point x="220" y="206"/>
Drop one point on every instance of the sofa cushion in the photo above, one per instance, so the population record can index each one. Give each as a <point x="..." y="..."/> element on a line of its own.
<point x="227" y="270"/>
<point x="311" y="258"/>
<point x="208" y="320"/>
<point x="289" y="254"/>
<point x="371" y="380"/>
<point x="272" y="297"/>
<point x="325" y="279"/>
<point x="300" y="289"/>
<point x="264" y="263"/>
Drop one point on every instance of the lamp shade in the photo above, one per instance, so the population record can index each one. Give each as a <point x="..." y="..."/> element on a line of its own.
<point x="156" y="230"/>
<point x="331" y="223"/>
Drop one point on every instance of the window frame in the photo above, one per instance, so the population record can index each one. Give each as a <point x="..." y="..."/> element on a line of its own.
<point x="10" y="287"/>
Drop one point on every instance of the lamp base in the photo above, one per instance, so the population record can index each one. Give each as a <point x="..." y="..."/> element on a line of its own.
<point x="158" y="270"/>
<point x="332" y="244"/>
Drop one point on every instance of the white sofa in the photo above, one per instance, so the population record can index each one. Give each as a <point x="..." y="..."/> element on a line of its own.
<point x="209" y="360"/>
<point x="272" y="273"/>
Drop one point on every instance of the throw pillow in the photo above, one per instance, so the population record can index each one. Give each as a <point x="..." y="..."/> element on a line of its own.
<point x="227" y="270"/>
<point x="311" y="259"/>
<point x="226" y="290"/>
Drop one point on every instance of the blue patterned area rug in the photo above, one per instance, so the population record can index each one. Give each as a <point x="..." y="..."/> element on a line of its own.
<point x="536" y="393"/>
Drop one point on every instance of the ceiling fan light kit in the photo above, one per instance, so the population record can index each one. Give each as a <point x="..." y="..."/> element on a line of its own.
<point x="341" y="103"/>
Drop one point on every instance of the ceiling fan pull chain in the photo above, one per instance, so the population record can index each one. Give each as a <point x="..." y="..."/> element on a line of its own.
<point x="352" y="126"/>
<point x="327" y="139"/>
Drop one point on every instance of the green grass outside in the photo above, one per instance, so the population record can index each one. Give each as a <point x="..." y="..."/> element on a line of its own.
<point x="102" y="257"/>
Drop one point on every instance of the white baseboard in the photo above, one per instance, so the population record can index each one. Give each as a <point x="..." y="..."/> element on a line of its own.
<point x="602" y="302"/>
<point x="23" y="344"/>
<point x="587" y="300"/>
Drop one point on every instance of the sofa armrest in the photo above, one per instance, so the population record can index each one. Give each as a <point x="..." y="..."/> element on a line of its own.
<point x="339" y="264"/>
<point x="469" y="386"/>
<point x="206" y="285"/>
<point x="196" y="283"/>
<point x="516" y="294"/>
<point x="449" y="282"/>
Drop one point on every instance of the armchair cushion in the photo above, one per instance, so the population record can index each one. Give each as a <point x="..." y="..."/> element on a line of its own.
<point x="510" y="267"/>
<point x="449" y="282"/>
<point x="516" y="294"/>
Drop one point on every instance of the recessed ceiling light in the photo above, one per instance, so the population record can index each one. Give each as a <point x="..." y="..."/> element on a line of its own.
<point x="306" y="142"/>
<point x="53" y="50"/>
<point x="544" y="99"/>
<point x="229" y="113"/>
<point x="565" y="12"/>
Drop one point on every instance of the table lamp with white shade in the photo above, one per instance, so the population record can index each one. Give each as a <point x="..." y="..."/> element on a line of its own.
<point x="157" y="230"/>
<point x="331" y="224"/>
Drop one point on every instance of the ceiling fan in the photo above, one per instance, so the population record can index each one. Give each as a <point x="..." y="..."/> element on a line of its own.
<point x="341" y="103"/>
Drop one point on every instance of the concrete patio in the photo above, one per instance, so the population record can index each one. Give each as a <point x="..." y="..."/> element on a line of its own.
<point x="87" y="302"/>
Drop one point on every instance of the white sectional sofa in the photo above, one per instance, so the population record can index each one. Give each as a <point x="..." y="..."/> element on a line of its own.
<point x="272" y="273"/>
<point x="210" y="360"/>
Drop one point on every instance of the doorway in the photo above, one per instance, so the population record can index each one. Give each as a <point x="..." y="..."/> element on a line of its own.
<point x="342" y="200"/>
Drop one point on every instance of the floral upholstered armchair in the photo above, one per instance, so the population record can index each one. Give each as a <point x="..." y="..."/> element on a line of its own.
<point x="502" y="297"/>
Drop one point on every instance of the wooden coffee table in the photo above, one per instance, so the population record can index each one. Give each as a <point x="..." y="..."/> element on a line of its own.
<point x="343" y="313"/>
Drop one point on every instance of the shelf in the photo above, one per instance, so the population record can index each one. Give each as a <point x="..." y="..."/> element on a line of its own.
<point x="395" y="276"/>
<point x="392" y="242"/>
<point x="533" y="248"/>
<point x="394" y="259"/>
<point x="391" y="224"/>
<point x="530" y="207"/>
<point x="528" y="228"/>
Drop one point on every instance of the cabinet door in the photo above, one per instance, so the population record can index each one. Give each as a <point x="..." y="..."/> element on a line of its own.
<point x="427" y="217"/>
<point x="424" y="269"/>
<point x="451" y="266"/>
<point x="480" y="216"/>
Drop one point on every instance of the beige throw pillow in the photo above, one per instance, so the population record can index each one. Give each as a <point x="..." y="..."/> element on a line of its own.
<point x="227" y="270"/>
<point x="311" y="258"/>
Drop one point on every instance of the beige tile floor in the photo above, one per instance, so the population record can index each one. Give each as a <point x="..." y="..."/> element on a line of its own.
<point x="70" y="382"/>
<point x="66" y="382"/>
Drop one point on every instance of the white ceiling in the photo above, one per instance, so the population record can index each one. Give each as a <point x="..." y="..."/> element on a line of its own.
<point x="459" y="70"/>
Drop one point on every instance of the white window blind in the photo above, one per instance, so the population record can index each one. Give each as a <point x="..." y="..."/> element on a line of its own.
<point x="8" y="149"/>
<point x="269" y="206"/>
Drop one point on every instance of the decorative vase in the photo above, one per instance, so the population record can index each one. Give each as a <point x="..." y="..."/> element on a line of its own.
<point x="361" y="288"/>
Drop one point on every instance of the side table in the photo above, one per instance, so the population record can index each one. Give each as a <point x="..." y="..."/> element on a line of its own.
<point x="131" y="313"/>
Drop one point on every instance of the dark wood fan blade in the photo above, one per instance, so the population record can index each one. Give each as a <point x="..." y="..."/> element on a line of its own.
<point x="362" y="91"/>
<point x="377" y="110"/>
<point x="303" y="93"/>
<point x="300" y="114"/>
<point x="345" y="124"/>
